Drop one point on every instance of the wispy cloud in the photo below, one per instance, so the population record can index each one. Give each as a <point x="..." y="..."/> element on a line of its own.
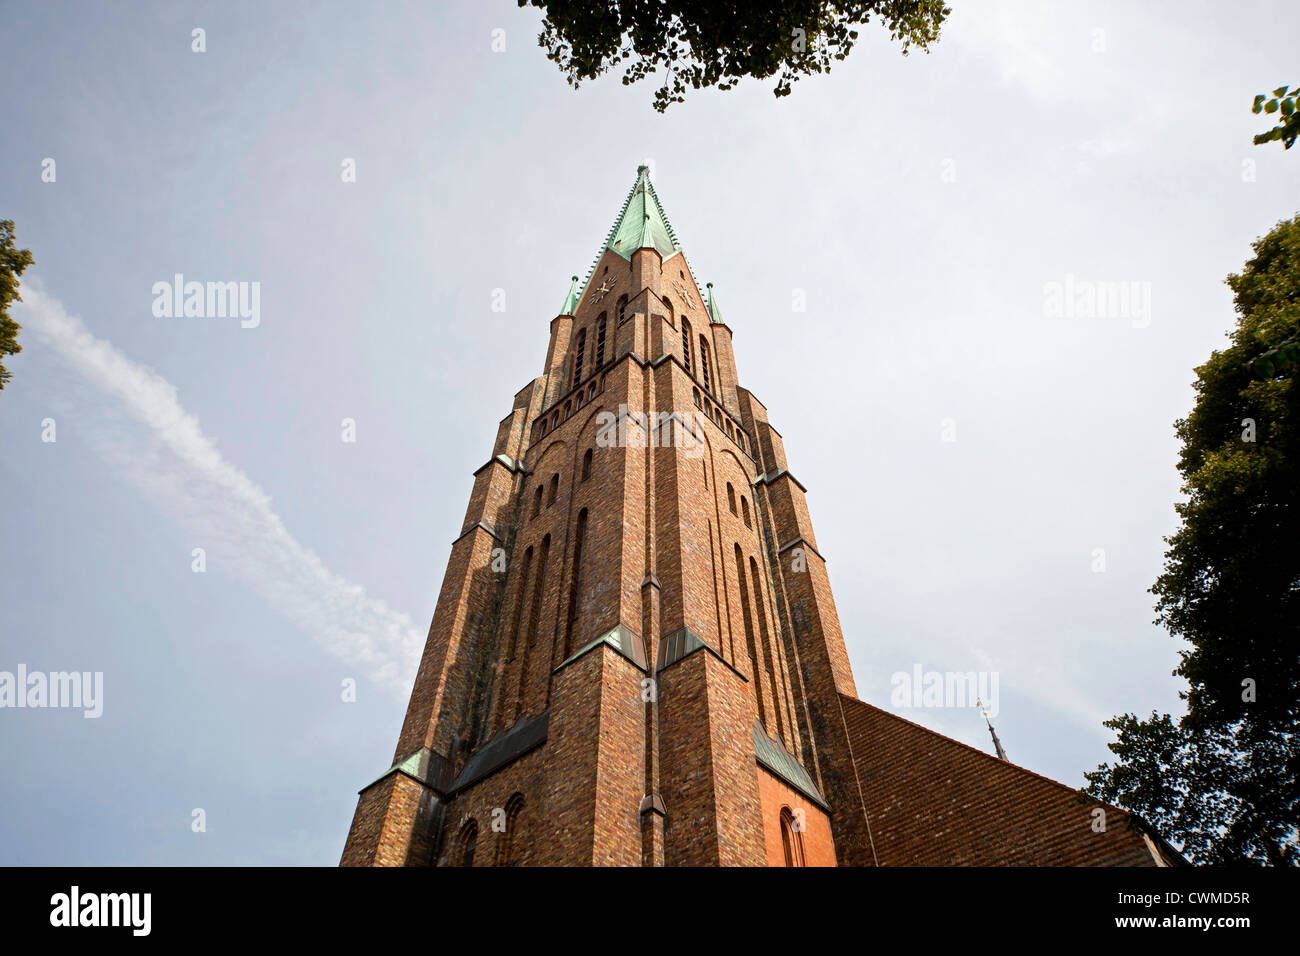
<point x="233" y="519"/>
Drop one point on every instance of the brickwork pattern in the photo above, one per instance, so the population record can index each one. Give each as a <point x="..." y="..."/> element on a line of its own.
<point x="588" y="516"/>
<point x="816" y="839"/>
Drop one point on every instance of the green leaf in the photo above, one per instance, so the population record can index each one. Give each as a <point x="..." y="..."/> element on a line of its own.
<point x="1270" y="106"/>
<point x="1280" y="91"/>
<point x="1259" y="102"/>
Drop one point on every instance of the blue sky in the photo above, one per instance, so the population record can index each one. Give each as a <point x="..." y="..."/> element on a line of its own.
<point x="921" y="206"/>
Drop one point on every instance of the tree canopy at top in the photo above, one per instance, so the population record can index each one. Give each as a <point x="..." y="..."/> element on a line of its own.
<point x="700" y="45"/>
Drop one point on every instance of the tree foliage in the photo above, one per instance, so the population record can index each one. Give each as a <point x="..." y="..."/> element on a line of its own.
<point x="12" y="263"/>
<point x="1283" y="102"/>
<point x="700" y="45"/>
<point x="1222" y="781"/>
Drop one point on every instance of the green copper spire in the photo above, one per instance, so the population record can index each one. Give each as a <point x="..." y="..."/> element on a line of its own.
<point x="570" y="300"/>
<point x="642" y="223"/>
<point x="715" y="313"/>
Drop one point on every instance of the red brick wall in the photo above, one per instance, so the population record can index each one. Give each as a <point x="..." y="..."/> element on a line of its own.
<point x="595" y="768"/>
<point x="526" y="839"/>
<point x="708" y="781"/>
<point x="775" y="795"/>
<point x="392" y="825"/>
<point x="660" y="554"/>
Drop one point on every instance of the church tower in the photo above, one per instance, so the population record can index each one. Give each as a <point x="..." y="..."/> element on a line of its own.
<point x="635" y="657"/>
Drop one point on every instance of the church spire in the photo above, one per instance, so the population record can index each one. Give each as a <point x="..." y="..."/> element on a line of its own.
<point x="715" y="313"/>
<point x="642" y="223"/>
<point x="997" y="744"/>
<point x="570" y="300"/>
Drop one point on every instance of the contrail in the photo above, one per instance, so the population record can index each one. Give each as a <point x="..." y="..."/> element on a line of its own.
<point x="180" y="467"/>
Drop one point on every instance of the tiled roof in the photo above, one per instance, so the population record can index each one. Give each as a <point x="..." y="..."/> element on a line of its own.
<point x="934" y="801"/>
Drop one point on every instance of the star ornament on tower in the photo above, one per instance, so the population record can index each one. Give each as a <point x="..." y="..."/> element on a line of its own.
<point x="684" y="291"/>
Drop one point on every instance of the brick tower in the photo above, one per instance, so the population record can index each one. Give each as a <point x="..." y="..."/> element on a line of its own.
<point x="635" y="657"/>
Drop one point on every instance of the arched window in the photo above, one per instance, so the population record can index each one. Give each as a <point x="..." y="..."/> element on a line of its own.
<point x="568" y="410"/>
<point x="749" y="632"/>
<point x="600" y="340"/>
<point x="695" y="394"/>
<point x="586" y="465"/>
<point x="791" y="839"/>
<point x="730" y="433"/>
<point x="467" y="844"/>
<point x="686" y="346"/>
<point x="519" y="605"/>
<point x="731" y="498"/>
<point x="717" y="416"/>
<point x="555" y="489"/>
<point x="622" y="309"/>
<point x="579" y="351"/>
<point x="541" y="429"/>
<point x="537" y="502"/>
<point x="535" y="609"/>
<point x="555" y="420"/>
<point x="591" y="392"/>
<point x="773" y="667"/>
<point x="508" y="847"/>
<point x="575" y="587"/>
<point x="744" y="511"/>
<point x="704" y="365"/>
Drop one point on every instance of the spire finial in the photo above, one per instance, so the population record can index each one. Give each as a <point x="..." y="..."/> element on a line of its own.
<point x="997" y="744"/>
